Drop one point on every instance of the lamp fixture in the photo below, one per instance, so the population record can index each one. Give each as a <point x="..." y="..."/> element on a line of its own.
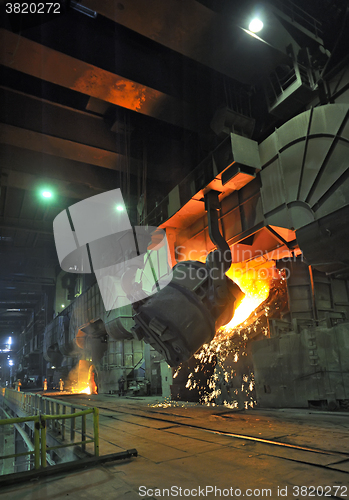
<point x="255" y="25"/>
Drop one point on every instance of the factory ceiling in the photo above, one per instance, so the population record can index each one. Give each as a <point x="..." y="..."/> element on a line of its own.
<point x="112" y="94"/>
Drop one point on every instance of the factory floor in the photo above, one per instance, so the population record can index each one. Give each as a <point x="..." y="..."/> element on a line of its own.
<point x="209" y="452"/>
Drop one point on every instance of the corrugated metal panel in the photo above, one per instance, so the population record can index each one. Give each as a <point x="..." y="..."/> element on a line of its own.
<point x="297" y="369"/>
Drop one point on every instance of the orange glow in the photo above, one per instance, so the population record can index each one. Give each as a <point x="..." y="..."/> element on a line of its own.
<point x="254" y="281"/>
<point x="80" y="389"/>
<point x="253" y="277"/>
<point x="115" y="89"/>
<point x="82" y="378"/>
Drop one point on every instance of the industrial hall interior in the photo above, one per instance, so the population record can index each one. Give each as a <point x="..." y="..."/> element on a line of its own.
<point x="174" y="264"/>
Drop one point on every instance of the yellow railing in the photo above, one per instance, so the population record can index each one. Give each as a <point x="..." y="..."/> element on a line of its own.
<point x="34" y="403"/>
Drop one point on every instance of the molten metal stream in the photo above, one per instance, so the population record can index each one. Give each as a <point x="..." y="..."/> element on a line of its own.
<point x="255" y="283"/>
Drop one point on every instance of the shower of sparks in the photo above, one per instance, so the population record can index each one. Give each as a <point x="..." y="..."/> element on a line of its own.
<point x="168" y="403"/>
<point x="221" y="386"/>
<point x="226" y="353"/>
<point x="230" y="345"/>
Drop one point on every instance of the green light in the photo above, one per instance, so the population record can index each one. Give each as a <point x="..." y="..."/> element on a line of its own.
<point x="62" y="305"/>
<point x="255" y="25"/>
<point x="46" y="194"/>
<point x="119" y="208"/>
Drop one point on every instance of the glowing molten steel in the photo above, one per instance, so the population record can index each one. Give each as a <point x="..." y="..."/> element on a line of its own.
<point x="82" y="378"/>
<point x="255" y="283"/>
<point x="224" y="371"/>
<point x="80" y="389"/>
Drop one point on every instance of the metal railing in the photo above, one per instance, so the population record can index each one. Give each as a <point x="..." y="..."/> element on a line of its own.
<point x="300" y="16"/>
<point x="46" y="413"/>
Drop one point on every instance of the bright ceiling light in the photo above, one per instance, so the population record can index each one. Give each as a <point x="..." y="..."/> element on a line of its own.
<point x="255" y="25"/>
<point x="119" y="208"/>
<point x="46" y="194"/>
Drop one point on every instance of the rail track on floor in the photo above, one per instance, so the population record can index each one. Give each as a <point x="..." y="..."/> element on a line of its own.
<point x="158" y="414"/>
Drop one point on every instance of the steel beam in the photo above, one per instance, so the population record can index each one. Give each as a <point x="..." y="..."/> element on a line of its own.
<point x="12" y="321"/>
<point x="33" y="281"/>
<point x="39" y="61"/>
<point x="10" y="266"/>
<point x="55" y="146"/>
<point x="23" y="169"/>
<point x="43" y="254"/>
<point x="195" y="31"/>
<point x="10" y="315"/>
<point x="19" y="296"/>
<point x="18" y="304"/>
<point x="64" y="188"/>
<point x="34" y="227"/>
<point x="56" y="120"/>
